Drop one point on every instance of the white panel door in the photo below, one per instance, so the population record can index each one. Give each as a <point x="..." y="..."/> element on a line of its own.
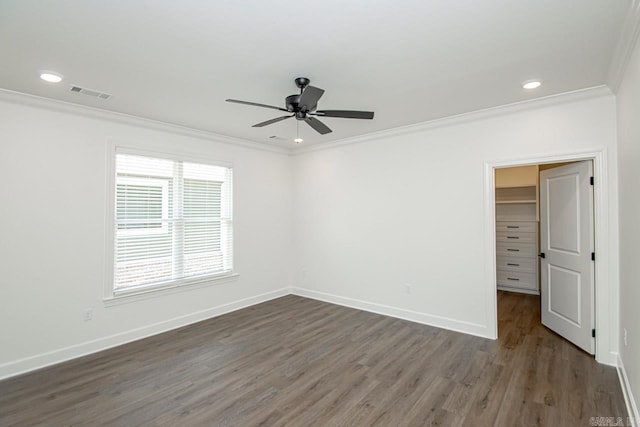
<point x="566" y="240"/>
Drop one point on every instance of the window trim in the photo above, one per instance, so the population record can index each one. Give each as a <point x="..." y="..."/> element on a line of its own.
<point x="112" y="297"/>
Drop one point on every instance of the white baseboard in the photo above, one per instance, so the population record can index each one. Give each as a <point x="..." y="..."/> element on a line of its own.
<point x="518" y="290"/>
<point x="400" y="313"/>
<point x="43" y="360"/>
<point x="632" y="408"/>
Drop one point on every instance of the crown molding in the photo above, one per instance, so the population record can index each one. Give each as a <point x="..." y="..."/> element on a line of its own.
<point x="625" y="46"/>
<point x="96" y="113"/>
<point x="127" y="119"/>
<point x="562" y="98"/>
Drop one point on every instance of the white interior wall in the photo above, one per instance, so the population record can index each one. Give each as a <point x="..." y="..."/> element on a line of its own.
<point x="52" y="214"/>
<point x="628" y="103"/>
<point x="409" y="209"/>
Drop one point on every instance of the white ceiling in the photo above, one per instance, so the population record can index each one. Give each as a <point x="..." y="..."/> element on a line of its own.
<point x="410" y="61"/>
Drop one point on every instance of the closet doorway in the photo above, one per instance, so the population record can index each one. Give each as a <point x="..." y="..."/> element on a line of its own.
<point x="544" y="240"/>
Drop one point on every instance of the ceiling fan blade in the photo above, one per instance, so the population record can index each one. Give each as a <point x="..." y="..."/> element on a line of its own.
<point x="345" y="114"/>
<point x="309" y="98"/>
<point x="255" y="104"/>
<point x="317" y="125"/>
<point x="269" y="122"/>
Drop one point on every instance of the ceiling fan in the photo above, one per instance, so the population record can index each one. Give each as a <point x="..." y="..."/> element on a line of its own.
<point x="303" y="107"/>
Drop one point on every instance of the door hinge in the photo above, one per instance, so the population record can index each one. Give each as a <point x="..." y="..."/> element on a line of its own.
<point x="593" y="333"/>
<point x="591" y="180"/>
<point x="542" y="255"/>
<point x="593" y="256"/>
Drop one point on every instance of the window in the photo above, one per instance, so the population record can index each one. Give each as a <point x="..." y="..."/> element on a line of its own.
<point x="173" y="222"/>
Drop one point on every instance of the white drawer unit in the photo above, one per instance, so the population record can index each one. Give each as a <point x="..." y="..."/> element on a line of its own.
<point x="517" y="256"/>
<point x="517" y="197"/>
<point x="511" y="226"/>
<point x="523" y="265"/>
<point x="515" y="237"/>
<point x="512" y="279"/>
<point x="516" y="249"/>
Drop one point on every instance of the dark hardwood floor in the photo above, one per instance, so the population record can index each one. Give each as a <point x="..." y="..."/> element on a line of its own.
<point x="299" y="362"/>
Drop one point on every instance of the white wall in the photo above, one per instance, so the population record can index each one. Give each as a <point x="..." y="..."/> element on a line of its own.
<point x="52" y="219"/>
<point x="373" y="216"/>
<point x="628" y="102"/>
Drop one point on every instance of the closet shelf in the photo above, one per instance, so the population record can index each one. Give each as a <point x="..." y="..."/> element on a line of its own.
<point x="513" y="202"/>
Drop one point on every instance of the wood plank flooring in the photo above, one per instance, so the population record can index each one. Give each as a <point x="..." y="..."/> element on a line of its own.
<point x="299" y="362"/>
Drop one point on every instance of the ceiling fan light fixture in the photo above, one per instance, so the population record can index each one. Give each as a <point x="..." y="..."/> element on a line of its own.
<point x="532" y="84"/>
<point x="51" y="76"/>
<point x="298" y="140"/>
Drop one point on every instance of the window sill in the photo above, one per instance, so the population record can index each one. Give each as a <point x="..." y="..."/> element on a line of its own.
<point x="154" y="292"/>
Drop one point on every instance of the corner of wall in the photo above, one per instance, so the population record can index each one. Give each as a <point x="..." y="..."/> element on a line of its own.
<point x="399" y="313"/>
<point x="624" y="48"/>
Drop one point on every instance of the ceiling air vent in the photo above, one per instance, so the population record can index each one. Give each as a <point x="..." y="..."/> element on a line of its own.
<point x="90" y="92"/>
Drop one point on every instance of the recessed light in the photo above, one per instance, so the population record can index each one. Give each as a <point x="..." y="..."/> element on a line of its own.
<point x="51" y="76"/>
<point x="531" y="84"/>
<point x="298" y="140"/>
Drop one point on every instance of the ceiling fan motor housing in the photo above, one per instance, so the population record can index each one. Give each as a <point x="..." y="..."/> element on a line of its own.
<point x="293" y="106"/>
<point x="292" y="103"/>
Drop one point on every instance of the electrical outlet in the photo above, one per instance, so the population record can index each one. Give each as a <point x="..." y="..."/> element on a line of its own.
<point x="407" y="288"/>
<point x="87" y="314"/>
<point x="625" y="337"/>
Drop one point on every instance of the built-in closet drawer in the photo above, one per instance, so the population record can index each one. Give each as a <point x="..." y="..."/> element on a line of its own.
<point x="516" y="237"/>
<point x="523" y="226"/>
<point x="515" y="249"/>
<point x="523" y="265"/>
<point x="514" y="279"/>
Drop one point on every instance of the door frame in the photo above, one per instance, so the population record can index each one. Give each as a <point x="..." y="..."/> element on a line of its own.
<point x="605" y="289"/>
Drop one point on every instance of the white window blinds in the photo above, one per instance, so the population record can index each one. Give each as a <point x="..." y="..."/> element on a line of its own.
<point x="173" y="222"/>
